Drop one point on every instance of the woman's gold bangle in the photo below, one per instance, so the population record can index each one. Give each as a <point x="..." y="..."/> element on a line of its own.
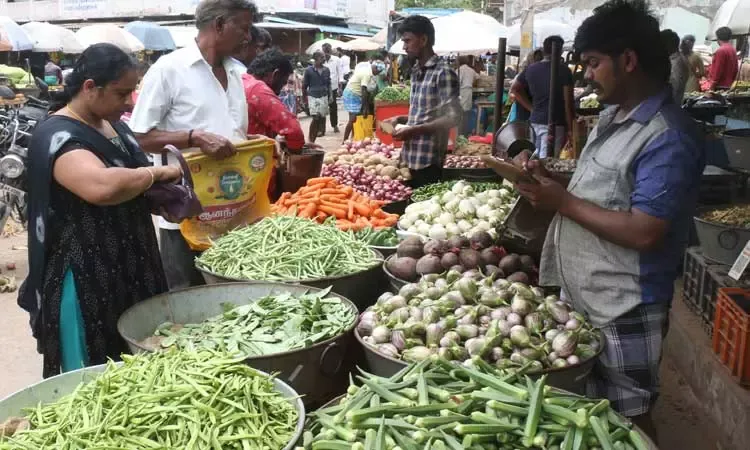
<point x="153" y="177"/>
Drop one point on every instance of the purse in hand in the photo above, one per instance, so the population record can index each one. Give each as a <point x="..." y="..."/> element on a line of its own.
<point x="174" y="201"/>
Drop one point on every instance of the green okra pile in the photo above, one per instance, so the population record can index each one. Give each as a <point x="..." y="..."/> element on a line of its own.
<point x="438" y="405"/>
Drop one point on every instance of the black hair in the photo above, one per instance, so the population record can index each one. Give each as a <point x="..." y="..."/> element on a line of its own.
<point x="619" y="25"/>
<point x="724" y="34"/>
<point x="208" y="11"/>
<point x="547" y="45"/>
<point x="260" y="36"/>
<point x="421" y="26"/>
<point x="670" y="40"/>
<point x="268" y="61"/>
<point x="103" y="63"/>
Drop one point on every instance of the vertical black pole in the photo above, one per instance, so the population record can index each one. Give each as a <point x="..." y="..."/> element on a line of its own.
<point x="553" y="74"/>
<point x="499" y="87"/>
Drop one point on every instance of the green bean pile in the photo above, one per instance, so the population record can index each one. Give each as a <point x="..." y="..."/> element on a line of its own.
<point x="287" y="248"/>
<point x="430" y="190"/>
<point x="165" y="400"/>
<point x="269" y="325"/>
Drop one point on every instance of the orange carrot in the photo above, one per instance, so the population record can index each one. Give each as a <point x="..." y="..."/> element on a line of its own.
<point x="350" y="212"/>
<point x="362" y="209"/>
<point x="336" y="212"/>
<point x="309" y="210"/>
<point x="320" y="180"/>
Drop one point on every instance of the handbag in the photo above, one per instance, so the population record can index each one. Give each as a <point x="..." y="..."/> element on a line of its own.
<point x="174" y="201"/>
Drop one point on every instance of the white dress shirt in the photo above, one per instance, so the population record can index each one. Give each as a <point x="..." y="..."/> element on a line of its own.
<point x="334" y="66"/>
<point x="345" y="67"/>
<point x="180" y="92"/>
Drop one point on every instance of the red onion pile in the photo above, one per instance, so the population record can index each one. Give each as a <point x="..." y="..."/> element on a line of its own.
<point x="373" y="186"/>
<point x="373" y="144"/>
<point x="463" y="162"/>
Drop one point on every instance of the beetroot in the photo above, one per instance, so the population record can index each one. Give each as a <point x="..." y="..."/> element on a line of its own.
<point x="429" y="264"/>
<point x="491" y="255"/>
<point x="527" y="263"/>
<point x="480" y="240"/>
<point x="449" y="260"/>
<point x="403" y="268"/>
<point x="521" y="277"/>
<point x="410" y="247"/>
<point x="510" y="263"/>
<point x="469" y="258"/>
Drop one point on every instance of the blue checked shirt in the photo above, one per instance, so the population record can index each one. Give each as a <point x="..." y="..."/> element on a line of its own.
<point x="434" y="92"/>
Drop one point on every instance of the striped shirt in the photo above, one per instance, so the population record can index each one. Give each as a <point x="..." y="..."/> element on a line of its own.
<point x="434" y="93"/>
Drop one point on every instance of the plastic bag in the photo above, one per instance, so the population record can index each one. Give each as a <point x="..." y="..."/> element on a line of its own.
<point x="363" y="127"/>
<point x="233" y="191"/>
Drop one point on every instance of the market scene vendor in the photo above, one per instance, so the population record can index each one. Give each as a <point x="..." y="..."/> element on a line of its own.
<point x="621" y="226"/>
<point x="200" y="265"/>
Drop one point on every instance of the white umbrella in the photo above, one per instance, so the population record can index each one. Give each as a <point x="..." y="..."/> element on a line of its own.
<point x="183" y="36"/>
<point x="465" y="32"/>
<point x="734" y="14"/>
<point x="363" y="45"/>
<point x="542" y="30"/>
<point x="381" y="36"/>
<point x="318" y="45"/>
<point x="47" y="37"/>
<point x="12" y="36"/>
<point x="110" y="34"/>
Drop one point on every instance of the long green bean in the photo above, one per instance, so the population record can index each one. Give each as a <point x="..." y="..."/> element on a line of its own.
<point x="287" y="248"/>
<point x="165" y="400"/>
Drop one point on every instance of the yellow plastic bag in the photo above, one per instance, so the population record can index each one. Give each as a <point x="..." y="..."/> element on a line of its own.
<point x="233" y="191"/>
<point x="363" y="127"/>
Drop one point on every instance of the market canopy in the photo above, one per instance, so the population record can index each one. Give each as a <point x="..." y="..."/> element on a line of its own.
<point x="318" y="45"/>
<point x="182" y="36"/>
<point x="542" y="30"/>
<point x="13" y="37"/>
<point x="153" y="36"/>
<point x="110" y="34"/>
<point x="464" y="32"/>
<point x="734" y="14"/>
<point x="363" y="45"/>
<point x="47" y="37"/>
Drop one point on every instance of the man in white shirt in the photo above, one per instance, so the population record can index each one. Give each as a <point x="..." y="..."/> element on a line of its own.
<point x="193" y="98"/>
<point x="345" y="68"/>
<point x="334" y="66"/>
<point x="466" y="78"/>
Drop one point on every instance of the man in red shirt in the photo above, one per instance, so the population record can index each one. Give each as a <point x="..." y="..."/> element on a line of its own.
<point x="724" y="63"/>
<point x="267" y="115"/>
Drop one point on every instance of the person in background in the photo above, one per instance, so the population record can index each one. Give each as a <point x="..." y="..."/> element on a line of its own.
<point x="333" y="64"/>
<point x="316" y="86"/>
<point x="358" y="92"/>
<point x="724" y="63"/>
<point x="695" y="64"/>
<point x="52" y="73"/>
<point x="535" y="80"/>
<point x="92" y="251"/>
<point x="467" y="76"/>
<point x="622" y="227"/>
<point x="345" y="68"/>
<point x="193" y="98"/>
<point x="267" y="74"/>
<point x="288" y="94"/>
<point x="680" y="72"/>
<point x="434" y="107"/>
<point x="260" y="41"/>
<point x="517" y="111"/>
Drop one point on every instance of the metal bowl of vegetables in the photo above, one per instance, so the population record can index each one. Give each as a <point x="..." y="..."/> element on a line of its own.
<point x="396" y="282"/>
<point x="460" y="317"/>
<point x="302" y="333"/>
<point x="297" y="251"/>
<point x="104" y="412"/>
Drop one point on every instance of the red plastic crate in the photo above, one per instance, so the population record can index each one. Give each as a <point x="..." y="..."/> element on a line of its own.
<point x="731" y="334"/>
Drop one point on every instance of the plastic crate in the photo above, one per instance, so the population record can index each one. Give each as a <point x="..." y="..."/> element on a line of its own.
<point x="694" y="276"/>
<point x="719" y="186"/>
<point x="731" y="335"/>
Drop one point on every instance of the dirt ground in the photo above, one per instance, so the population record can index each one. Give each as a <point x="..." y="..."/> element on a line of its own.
<point x="680" y="420"/>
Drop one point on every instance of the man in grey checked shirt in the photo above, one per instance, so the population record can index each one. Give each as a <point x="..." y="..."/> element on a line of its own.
<point x="434" y="107"/>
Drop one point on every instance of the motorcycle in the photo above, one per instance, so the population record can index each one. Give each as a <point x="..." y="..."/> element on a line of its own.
<point x="16" y="126"/>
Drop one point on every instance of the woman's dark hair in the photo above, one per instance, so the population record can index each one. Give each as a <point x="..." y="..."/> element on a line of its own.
<point x="724" y="34"/>
<point x="103" y="63"/>
<point x="619" y="25"/>
<point x="268" y="61"/>
<point x="670" y="40"/>
<point x="419" y="25"/>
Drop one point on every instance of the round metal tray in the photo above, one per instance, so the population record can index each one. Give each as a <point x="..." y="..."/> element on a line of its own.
<point x="359" y="287"/>
<point x="54" y="388"/>
<point x="316" y="372"/>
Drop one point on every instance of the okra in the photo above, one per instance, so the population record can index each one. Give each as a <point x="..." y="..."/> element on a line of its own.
<point x="535" y="411"/>
<point x="602" y="435"/>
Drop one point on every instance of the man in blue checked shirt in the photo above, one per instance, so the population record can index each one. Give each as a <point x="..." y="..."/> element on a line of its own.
<point x="434" y="107"/>
<point x="622" y="224"/>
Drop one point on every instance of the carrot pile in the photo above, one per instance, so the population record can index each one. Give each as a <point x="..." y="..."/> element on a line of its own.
<point x="324" y="197"/>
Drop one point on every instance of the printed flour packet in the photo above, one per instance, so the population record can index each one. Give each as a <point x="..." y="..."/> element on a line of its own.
<point x="233" y="191"/>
